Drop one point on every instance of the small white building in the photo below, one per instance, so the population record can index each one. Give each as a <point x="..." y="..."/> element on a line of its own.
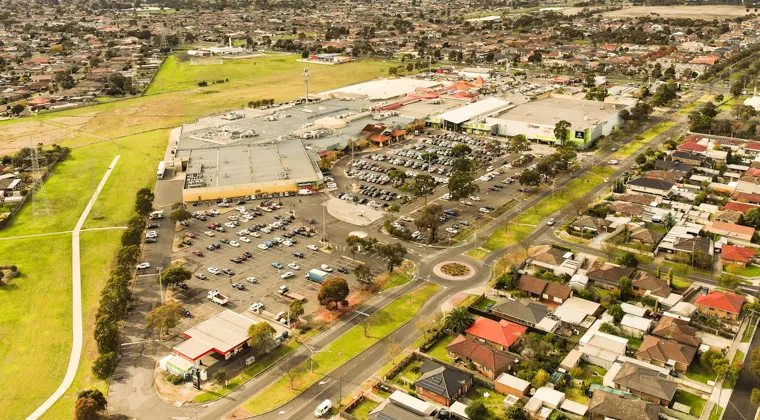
<point x="635" y="326"/>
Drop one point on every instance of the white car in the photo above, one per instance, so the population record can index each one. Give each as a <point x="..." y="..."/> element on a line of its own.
<point x="484" y="210"/>
<point x="143" y="266"/>
<point x="209" y="233"/>
<point x="452" y="231"/>
<point x="241" y="209"/>
<point x="406" y="219"/>
<point x="242" y="232"/>
<point x="213" y="212"/>
<point x="263" y="246"/>
<point x="233" y="218"/>
<point x="326" y="267"/>
<point x="287" y="243"/>
<point x="235" y="243"/>
<point x="230" y="225"/>
<point x="606" y="180"/>
<point x="244" y="239"/>
<point x="287" y="275"/>
<point x="294" y="266"/>
<point x="151" y="234"/>
<point x="256" y="307"/>
<point x="266" y="230"/>
<point x="550" y="222"/>
<point x="251" y="280"/>
<point x="255" y="234"/>
<point x="313" y="247"/>
<point x="474" y="198"/>
<point x="446" y="196"/>
<point x="213" y="270"/>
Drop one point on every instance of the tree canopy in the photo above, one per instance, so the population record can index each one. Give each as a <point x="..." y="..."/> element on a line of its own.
<point x="333" y="292"/>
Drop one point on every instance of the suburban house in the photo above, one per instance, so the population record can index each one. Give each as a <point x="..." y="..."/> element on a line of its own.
<point x="645" y="383"/>
<point x="487" y="360"/>
<point x="651" y="186"/>
<point x="441" y="383"/>
<point x="543" y="290"/>
<point x="654" y="285"/>
<point x="663" y="353"/>
<point x="507" y="384"/>
<point x="526" y="314"/>
<point x="500" y="335"/>
<point x="602" y="349"/>
<point x="689" y="246"/>
<point x="737" y="255"/>
<point x="732" y="232"/>
<point x="606" y="275"/>
<point x="678" y="330"/>
<point x="646" y="237"/>
<point x="559" y="262"/>
<point x="606" y="405"/>
<point x="635" y="326"/>
<point x="725" y="305"/>
<point x="586" y="223"/>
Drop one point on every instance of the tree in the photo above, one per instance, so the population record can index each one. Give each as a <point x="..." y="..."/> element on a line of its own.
<point x="175" y="275"/>
<point x="296" y="309"/>
<point x="423" y="186"/>
<point x="64" y="80"/>
<point x="458" y="320"/>
<point x="220" y="377"/>
<point x="333" y="292"/>
<point x="460" y="150"/>
<point x="616" y="312"/>
<point x="86" y="409"/>
<point x="363" y="273"/>
<point x="529" y="178"/>
<point x="625" y="286"/>
<point x="144" y="201"/>
<point x="95" y="395"/>
<point x="665" y="93"/>
<point x="476" y="410"/>
<point x="261" y="337"/>
<point x="641" y="111"/>
<point x="752" y="218"/>
<point x="429" y="219"/>
<point x="103" y="365"/>
<point x="180" y="215"/>
<point x="641" y="159"/>
<point x="629" y="260"/>
<point x="292" y="375"/>
<point x="742" y="112"/>
<point x="562" y="130"/>
<point x="540" y="379"/>
<point x="164" y="317"/>
<point x="462" y="185"/>
<point x="127" y="256"/>
<point x="517" y="144"/>
<point x="737" y="87"/>
<point x="755" y="398"/>
<point x="516" y="412"/>
<point x="395" y="253"/>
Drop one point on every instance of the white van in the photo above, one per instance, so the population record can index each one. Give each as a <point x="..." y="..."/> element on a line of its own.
<point x="323" y="408"/>
<point x="304" y="192"/>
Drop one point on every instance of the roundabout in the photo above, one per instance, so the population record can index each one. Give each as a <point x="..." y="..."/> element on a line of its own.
<point x="454" y="270"/>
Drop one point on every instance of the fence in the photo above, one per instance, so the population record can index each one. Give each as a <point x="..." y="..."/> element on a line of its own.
<point x="399" y="367"/>
<point x="344" y="412"/>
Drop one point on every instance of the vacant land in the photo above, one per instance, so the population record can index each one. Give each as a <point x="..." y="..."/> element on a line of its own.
<point x="685" y="12"/>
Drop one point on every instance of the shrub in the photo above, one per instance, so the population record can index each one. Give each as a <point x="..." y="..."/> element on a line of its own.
<point x="103" y="365"/>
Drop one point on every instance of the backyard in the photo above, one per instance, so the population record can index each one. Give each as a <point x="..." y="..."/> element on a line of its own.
<point x="493" y="401"/>
<point x="696" y="402"/>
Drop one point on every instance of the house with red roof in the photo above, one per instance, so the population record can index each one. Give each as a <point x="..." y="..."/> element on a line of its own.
<point x="737" y="255"/>
<point x="486" y="359"/>
<point x="692" y="146"/>
<point x="732" y="232"/>
<point x="740" y="207"/>
<point x="499" y="334"/>
<point x="724" y="305"/>
<point x="746" y="197"/>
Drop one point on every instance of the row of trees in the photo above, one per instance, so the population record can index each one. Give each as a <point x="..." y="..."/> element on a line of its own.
<point x="114" y="298"/>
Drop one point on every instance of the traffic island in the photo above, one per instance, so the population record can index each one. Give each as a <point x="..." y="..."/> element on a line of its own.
<point x="454" y="270"/>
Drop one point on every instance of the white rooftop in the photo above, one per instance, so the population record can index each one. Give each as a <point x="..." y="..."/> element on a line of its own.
<point x="403" y="399"/>
<point x="636" y="322"/>
<point x="384" y="88"/>
<point x="512" y="381"/>
<point x="581" y="305"/>
<point x="569" y="316"/>
<point x="474" y="110"/>
<point x="221" y="333"/>
<point x="633" y="309"/>
<point x="550" y="397"/>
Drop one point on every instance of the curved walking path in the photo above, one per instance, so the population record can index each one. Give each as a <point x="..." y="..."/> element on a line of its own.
<point x="76" y="289"/>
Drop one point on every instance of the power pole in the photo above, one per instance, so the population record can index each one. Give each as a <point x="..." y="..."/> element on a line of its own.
<point x="40" y="204"/>
<point x="306" y="83"/>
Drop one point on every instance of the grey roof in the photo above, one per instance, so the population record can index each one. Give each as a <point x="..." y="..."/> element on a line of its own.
<point x="657" y="184"/>
<point x="608" y="405"/>
<point x="393" y="412"/>
<point x="531" y="313"/>
<point x="441" y="379"/>
<point x="581" y="113"/>
<point x="670" y="165"/>
<point x="646" y="381"/>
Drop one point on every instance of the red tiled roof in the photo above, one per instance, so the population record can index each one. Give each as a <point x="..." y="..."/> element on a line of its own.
<point x="728" y="302"/>
<point x="746" y="197"/>
<point x="494" y="360"/>
<point x="740" y="207"/>
<point x="502" y="332"/>
<point x="737" y="253"/>
<point x="692" y="146"/>
<point x="753" y="145"/>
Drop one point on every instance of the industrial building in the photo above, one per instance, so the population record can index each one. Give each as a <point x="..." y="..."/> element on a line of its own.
<point x="536" y="119"/>
<point x="472" y="117"/>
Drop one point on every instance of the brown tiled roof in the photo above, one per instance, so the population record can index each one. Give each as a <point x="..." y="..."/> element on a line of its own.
<point x="646" y="381"/>
<point x="677" y="330"/>
<point x="531" y="284"/>
<point x="608" y="405"/>
<point x="657" y="287"/>
<point x="558" y="290"/>
<point x="655" y="348"/>
<point x="492" y="359"/>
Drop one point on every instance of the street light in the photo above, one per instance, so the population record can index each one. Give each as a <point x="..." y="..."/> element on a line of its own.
<point x="312" y="352"/>
<point x="160" y="286"/>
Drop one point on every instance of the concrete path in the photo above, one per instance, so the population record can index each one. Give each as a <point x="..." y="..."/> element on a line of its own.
<point x="76" y="281"/>
<point x="60" y="233"/>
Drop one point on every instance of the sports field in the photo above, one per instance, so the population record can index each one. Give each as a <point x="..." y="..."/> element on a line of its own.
<point x="35" y="318"/>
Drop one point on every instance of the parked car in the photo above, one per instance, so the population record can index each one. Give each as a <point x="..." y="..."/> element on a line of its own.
<point x="298" y="254"/>
<point x="143" y="266"/>
<point x="213" y="270"/>
<point x="326" y="268"/>
<point x="277" y="265"/>
<point x="238" y="286"/>
<point x="200" y="276"/>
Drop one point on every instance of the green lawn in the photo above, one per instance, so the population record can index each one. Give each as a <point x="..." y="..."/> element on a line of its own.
<point x="751" y="271"/>
<point x="394" y="280"/>
<point x="642" y="140"/>
<point x="716" y="412"/>
<point x="439" y="349"/>
<point x="408" y="375"/>
<point x="578" y="187"/>
<point x="696" y="402"/>
<point x="699" y="373"/>
<point x="343" y="349"/>
<point x="494" y="402"/>
<point x="256" y="368"/>
<point x="749" y="332"/>
<point x="577" y="395"/>
<point x="477" y="253"/>
<point x="362" y="410"/>
<point x="484" y="303"/>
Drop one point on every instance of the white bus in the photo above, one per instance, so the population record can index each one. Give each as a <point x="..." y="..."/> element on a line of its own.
<point x="161" y="170"/>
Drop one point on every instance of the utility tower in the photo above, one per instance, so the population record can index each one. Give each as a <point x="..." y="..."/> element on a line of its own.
<point x="306" y="82"/>
<point x="40" y="204"/>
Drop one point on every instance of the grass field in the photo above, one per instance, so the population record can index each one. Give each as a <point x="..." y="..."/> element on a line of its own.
<point x="439" y="349"/>
<point x="342" y="350"/>
<point x="642" y="140"/>
<point x="578" y="187"/>
<point x="690" y="12"/>
<point x="362" y="410"/>
<point x="716" y="412"/>
<point x="696" y="402"/>
<point x="493" y="401"/>
<point x="477" y="253"/>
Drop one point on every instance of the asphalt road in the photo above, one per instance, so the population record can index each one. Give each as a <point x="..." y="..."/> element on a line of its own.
<point x="739" y="406"/>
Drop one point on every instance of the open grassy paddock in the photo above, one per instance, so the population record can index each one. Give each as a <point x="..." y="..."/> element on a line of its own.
<point x="686" y="12"/>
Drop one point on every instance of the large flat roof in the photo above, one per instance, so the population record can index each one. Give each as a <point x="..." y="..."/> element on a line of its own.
<point x="580" y="113"/>
<point x="384" y="88"/>
<point x="221" y="333"/>
<point x="474" y="110"/>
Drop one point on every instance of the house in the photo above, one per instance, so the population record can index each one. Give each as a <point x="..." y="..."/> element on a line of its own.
<point x="500" y="335"/>
<point x="651" y="186"/>
<point x="678" y="330"/>
<point x="602" y="349"/>
<point x="664" y="353"/>
<point x="737" y="255"/>
<point x="530" y="314"/>
<point x="441" y="383"/>
<point x="725" y="305"/>
<point x="627" y="209"/>
<point x="606" y="275"/>
<point x="669" y="165"/>
<point x="689" y="246"/>
<point x="654" y="285"/>
<point x="507" y="384"/>
<point x="608" y="406"/>
<point x="689" y="158"/>
<point x="558" y="261"/>
<point x="646" y="237"/>
<point x="645" y="383"/>
<point x="586" y="223"/>
<point x="730" y="231"/>
<point x="635" y="326"/>
<point x="487" y="360"/>
<point x="543" y="290"/>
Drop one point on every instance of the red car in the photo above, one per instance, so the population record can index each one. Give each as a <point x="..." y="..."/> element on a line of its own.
<point x="198" y="253"/>
<point x="190" y="235"/>
<point x="212" y="226"/>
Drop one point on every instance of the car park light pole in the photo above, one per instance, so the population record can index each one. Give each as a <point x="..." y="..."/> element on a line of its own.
<point x="160" y="286"/>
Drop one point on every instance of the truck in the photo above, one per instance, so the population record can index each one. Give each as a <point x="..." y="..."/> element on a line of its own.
<point x="216" y="297"/>
<point x="158" y="214"/>
<point x="304" y="191"/>
<point x="317" y="276"/>
<point x="161" y="170"/>
<point x="291" y="295"/>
